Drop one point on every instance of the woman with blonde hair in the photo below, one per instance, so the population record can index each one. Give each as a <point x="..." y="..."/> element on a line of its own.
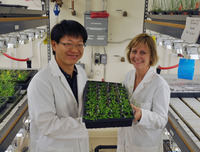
<point x="149" y="95"/>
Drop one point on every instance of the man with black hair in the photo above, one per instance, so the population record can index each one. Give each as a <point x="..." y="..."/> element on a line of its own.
<point x="55" y="94"/>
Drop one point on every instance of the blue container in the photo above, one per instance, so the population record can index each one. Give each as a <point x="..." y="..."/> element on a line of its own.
<point x="186" y="69"/>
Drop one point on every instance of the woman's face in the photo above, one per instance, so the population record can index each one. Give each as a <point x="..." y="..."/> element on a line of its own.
<point x="140" y="57"/>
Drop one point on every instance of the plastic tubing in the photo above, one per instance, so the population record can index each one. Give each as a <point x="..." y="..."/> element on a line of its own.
<point x="167" y="68"/>
<point x="16" y="59"/>
<point x="105" y="147"/>
<point x="39" y="50"/>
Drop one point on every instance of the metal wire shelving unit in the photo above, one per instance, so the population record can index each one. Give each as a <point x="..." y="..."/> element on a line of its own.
<point x="14" y="18"/>
<point x="184" y="117"/>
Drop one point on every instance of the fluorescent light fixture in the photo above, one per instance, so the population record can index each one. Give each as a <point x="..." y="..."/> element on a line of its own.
<point x="3" y="45"/>
<point x="13" y="41"/>
<point x="194" y="56"/>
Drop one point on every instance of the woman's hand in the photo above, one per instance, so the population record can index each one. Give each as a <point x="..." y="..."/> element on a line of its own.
<point x="137" y="114"/>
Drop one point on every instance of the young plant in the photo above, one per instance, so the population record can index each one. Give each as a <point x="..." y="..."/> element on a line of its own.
<point x="105" y="101"/>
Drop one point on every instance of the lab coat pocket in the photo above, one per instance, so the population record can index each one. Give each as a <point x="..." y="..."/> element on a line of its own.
<point x="145" y="106"/>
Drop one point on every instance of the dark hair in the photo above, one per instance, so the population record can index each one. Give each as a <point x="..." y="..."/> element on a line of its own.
<point x="146" y="39"/>
<point x="69" y="28"/>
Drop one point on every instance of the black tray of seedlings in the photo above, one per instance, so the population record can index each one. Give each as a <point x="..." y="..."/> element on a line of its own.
<point x="19" y="77"/>
<point x="106" y="104"/>
<point x="11" y="93"/>
<point x="24" y="78"/>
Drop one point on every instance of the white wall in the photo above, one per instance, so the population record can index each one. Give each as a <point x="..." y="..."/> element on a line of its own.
<point x="120" y="31"/>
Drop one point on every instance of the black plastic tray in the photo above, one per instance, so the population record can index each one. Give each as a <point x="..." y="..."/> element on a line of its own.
<point x="185" y="94"/>
<point x="12" y="98"/>
<point x="104" y="123"/>
<point x="17" y="93"/>
<point x="3" y="103"/>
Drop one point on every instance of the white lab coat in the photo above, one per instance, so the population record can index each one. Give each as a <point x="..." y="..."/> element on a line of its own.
<point x="152" y="95"/>
<point x="56" y="123"/>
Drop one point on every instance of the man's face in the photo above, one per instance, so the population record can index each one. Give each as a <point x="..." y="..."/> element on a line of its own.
<point x="68" y="51"/>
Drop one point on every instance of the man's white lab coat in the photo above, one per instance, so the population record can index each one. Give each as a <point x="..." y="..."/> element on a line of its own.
<point x="56" y="123"/>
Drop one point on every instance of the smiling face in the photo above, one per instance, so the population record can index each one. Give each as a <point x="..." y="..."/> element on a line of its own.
<point x="140" y="57"/>
<point x="67" y="56"/>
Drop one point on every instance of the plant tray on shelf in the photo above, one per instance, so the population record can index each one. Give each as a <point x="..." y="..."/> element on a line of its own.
<point x="19" y="77"/>
<point x="24" y="84"/>
<point x="106" y="104"/>
<point x="10" y="105"/>
<point x="15" y="93"/>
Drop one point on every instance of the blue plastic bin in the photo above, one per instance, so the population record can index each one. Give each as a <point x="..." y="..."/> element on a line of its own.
<point x="186" y="69"/>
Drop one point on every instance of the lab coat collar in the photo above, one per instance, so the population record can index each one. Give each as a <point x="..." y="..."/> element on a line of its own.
<point x="147" y="78"/>
<point x="56" y="72"/>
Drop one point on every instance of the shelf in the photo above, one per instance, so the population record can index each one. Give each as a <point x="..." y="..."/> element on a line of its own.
<point x="180" y="136"/>
<point x="20" y="18"/>
<point x="175" y="18"/>
<point x="171" y="25"/>
<point x="18" y="10"/>
<point x="183" y="116"/>
<point x="12" y="123"/>
<point x="15" y="18"/>
<point x="18" y="24"/>
<point x="171" y="29"/>
<point x="181" y="125"/>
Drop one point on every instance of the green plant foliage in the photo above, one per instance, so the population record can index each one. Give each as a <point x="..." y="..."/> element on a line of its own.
<point x="7" y="89"/>
<point x="14" y="75"/>
<point x="106" y="101"/>
<point x="9" y="79"/>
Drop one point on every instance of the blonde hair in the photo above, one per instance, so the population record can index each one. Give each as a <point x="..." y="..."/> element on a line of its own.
<point x="147" y="40"/>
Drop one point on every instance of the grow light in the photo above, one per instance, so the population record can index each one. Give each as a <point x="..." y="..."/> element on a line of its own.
<point x="13" y="41"/>
<point x="160" y="39"/>
<point x="167" y="43"/>
<point x="31" y="35"/>
<point x="3" y="45"/>
<point x="37" y="33"/>
<point x="194" y="56"/>
<point x="42" y="32"/>
<point x="23" y="38"/>
<point x="192" y="51"/>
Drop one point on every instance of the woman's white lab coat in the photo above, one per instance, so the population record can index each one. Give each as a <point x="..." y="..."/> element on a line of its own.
<point x="56" y="123"/>
<point x="152" y="95"/>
